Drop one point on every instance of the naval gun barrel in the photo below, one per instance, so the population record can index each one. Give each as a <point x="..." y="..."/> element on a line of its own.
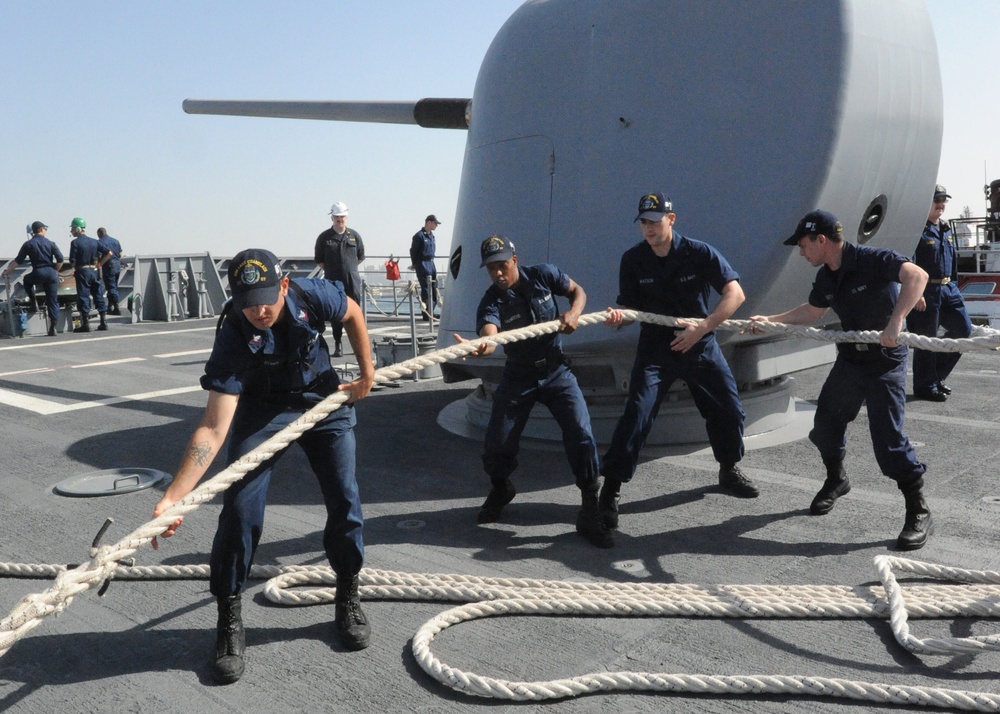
<point x="428" y="113"/>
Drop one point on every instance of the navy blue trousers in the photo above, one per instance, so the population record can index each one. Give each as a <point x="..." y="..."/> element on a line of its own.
<point x="880" y="385"/>
<point x="426" y="272"/>
<point x="520" y="388"/>
<point x="330" y="448"/>
<point x="945" y="308"/>
<point x="110" y="277"/>
<point x="88" y="284"/>
<point x="656" y="368"/>
<point x="48" y="279"/>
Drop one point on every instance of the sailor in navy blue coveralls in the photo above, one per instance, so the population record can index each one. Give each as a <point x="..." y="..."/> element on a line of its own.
<point x="46" y="260"/>
<point x="536" y="371"/>
<point x="861" y="285"/>
<point x="670" y="274"/>
<point x="339" y="250"/>
<point x="422" y="250"/>
<point x="268" y="366"/>
<point x="111" y="269"/>
<point x="85" y="254"/>
<point x="941" y="305"/>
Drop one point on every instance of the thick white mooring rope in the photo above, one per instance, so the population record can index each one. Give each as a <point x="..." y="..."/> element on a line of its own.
<point x="489" y="596"/>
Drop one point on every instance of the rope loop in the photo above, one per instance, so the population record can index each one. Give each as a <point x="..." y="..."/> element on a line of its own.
<point x="485" y="597"/>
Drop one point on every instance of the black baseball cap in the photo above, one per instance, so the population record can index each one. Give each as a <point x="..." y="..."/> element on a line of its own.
<point x="653" y="206"/>
<point x="37" y="226"/>
<point x="940" y="192"/>
<point x="254" y="278"/>
<point x="814" y="223"/>
<point x="495" y="249"/>
<point x="432" y="217"/>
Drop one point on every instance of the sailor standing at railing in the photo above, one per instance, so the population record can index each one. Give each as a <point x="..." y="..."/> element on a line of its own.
<point x="941" y="304"/>
<point x="111" y="268"/>
<point x="46" y="260"/>
<point x="86" y="254"/>
<point x="339" y="250"/>
<point x="422" y="250"/>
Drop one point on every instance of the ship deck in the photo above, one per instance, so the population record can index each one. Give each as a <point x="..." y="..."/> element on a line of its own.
<point x="129" y="398"/>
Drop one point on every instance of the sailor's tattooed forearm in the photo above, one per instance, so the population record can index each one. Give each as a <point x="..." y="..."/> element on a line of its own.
<point x="200" y="453"/>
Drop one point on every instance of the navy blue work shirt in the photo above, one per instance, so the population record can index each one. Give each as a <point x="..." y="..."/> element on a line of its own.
<point x="40" y="251"/>
<point x="290" y="358"/>
<point x="863" y="291"/>
<point x="531" y="301"/>
<point x="678" y="284"/>
<point x="85" y="252"/>
<point x="422" y="247"/>
<point x="111" y="245"/>
<point x="340" y="254"/>
<point x="936" y="251"/>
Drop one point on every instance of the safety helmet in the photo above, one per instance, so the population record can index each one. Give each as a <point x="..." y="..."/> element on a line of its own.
<point x="78" y="223"/>
<point x="338" y="209"/>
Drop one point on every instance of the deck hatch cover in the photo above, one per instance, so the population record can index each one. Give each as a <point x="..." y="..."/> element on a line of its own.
<point x="109" y="482"/>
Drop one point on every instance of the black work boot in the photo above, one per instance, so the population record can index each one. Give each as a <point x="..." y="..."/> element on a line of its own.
<point x="338" y="350"/>
<point x="52" y="329"/>
<point x="589" y="523"/>
<point x="835" y="486"/>
<point x="500" y="495"/>
<point x="918" y="524"/>
<point x="735" y="482"/>
<point x="84" y="324"/>
<point x="607" y="504"/>
<point x="349" y="618"/>
<point x="230" y="641"/>
<point x="103" y="327"/>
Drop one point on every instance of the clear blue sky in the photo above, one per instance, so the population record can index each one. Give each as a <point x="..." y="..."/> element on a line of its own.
<point x="92" y="124"/>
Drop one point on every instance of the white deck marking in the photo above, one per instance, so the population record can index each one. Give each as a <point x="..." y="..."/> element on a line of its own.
<point x="35" y="370"/>
<point x="77" y="343"/>
<point x="107" y="362"/>
<point x="167" y="355"/>
<point x="47" y="408"/>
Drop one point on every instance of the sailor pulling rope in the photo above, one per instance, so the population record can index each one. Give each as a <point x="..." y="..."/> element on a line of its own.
<point x="490" y="596"/>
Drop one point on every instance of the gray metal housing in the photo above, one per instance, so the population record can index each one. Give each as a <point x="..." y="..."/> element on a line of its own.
<point x="747" y="115"/>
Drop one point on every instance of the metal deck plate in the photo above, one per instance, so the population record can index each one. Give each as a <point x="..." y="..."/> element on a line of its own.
<point x="109" y="482"/>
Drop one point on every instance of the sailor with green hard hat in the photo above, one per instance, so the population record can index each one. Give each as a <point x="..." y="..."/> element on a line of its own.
<point x="86" y="254"/>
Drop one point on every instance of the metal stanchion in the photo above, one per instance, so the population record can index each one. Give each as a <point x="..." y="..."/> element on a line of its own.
<point x="431" y="295"/>
<point x="10" y="304"/>
<point x="174" y="309"/>
<point x="413" y="331"/>
<point x="205" y="307"/>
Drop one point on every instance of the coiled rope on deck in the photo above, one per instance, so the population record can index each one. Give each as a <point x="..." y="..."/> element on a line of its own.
<point x="104" y="564"/>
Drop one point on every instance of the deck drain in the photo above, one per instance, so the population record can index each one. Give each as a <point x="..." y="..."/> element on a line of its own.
<point x="410" y="524"/>
<point x="635" y="568"/>
<point x="110" y="482"/>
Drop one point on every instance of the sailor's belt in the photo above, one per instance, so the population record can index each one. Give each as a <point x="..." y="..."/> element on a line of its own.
<point x="939" y="281"/>
<point x="862" y="353"/>
<point x="553" y="360"/>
